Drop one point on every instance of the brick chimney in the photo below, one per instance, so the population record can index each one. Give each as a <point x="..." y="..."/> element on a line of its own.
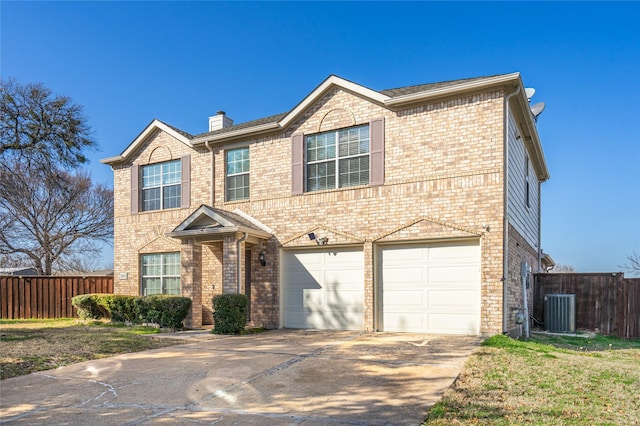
<point x="219" y="121"/>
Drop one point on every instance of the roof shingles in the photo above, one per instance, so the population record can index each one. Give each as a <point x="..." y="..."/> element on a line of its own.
<point x="392" y="93"/>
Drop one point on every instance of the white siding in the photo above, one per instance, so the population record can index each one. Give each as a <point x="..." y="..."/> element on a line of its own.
<point x="525" y="219"/>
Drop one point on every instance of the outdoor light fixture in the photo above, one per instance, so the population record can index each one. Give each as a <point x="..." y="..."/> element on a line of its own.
<point x="262" y="258"/>
<point x="321" y="241"/>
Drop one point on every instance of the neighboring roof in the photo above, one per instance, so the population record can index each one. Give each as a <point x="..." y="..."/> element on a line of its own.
<point x="78" y="273"/>
<point x="21" y="270"/>
<point x="209" y="223"/>
<point x="390" y="98"/>
<point x="547" y="262"/>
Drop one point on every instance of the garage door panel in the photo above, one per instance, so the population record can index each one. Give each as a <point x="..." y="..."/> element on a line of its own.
<point x="453" y="299"/>
<point x="404" y="322"/>
<point x="349" y="299"/>
<point x="324" y="289"/>
<point x="295" y="297"/>
<point x="305" y="279"/>
<point x="453" y="323"/>
<point x="343" y="278"/>
<point x="397" y="300"/>
<point x="454" y="251"/>
<point x="406" y="275"/>
<point x="400" y="255"/>
<point x="453" y="274"/>
<point x="343" y="260"/>
<point x="431" y="288"/>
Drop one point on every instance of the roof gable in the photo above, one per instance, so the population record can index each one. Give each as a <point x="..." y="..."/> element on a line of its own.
<point x="152" y="127"/>
<point x="331" y="82"/>
<point x="208" y="222"/>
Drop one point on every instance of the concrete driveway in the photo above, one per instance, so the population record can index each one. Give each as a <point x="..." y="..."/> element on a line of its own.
<point x="280" y="377"/>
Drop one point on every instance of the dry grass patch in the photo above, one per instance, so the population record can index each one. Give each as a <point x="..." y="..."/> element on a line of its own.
<point x="512" y="382"/>
<point x="35" y="345"/>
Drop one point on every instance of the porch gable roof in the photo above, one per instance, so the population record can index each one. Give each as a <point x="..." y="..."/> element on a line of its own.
<point x="211" y="224"/>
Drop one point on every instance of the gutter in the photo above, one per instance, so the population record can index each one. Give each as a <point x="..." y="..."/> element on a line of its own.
<point x="505" y="220"/>
<point x="226" y="136"/>
<point x="451" y="90"/>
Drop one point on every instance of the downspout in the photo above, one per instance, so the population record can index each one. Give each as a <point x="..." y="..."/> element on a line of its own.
<point x="505" y="221"/>
<point x="213" y="174"/>
<point x="239" y="262"/>
<point x="539" y="269"/>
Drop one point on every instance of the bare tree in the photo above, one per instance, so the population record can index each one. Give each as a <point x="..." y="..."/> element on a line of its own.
<point x="41" y="128"/>
<point x="632" y="265"/>
<point x="84" y="258"/>
<point x="50" y="215"/>
<point x="563" y="269"/>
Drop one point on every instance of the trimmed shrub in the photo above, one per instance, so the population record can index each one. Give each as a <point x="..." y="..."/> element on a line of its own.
<point x="121" y="308"/>
<point x="229" y="313"/>
<point x="88" y="306"/>
<point x="165" y="310"/>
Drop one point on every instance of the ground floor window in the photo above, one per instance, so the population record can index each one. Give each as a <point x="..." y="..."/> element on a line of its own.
<point x="160" y="273"/>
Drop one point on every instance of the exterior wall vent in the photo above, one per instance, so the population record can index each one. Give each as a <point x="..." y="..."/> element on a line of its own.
<point x="560" y="312"/>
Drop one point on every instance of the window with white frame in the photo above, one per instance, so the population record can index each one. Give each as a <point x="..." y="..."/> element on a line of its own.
<point x="161" y="186"/>
<point x="337" y="159"/>
<point x="160" y="273"/>
<point x="237" y="182"/>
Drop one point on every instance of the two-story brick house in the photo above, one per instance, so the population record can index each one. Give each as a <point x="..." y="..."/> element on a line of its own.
<point x="411" y="209"/>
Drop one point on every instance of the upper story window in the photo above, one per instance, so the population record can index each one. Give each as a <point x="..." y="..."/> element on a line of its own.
<point x="237" y="176"/>
<point x="337" y="159"/>
<point x="160" y="273"/>
<point x="161" y="185"/>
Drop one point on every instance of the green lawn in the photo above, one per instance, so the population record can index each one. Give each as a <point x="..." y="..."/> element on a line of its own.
<point x="34" y="345"/>
<point x="547" y="380"/>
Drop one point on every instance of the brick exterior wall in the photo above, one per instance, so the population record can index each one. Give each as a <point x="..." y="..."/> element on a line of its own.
<point x="519" y="250"/>
<point x="443" y="180"/>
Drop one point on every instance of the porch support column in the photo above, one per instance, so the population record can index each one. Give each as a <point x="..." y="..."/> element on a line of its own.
<point x="369" y="287"/>
<point x="191" y="277"/>
<point x="232" y="257"/>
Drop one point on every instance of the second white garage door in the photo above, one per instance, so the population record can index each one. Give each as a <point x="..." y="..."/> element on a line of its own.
<point x="431" y="288"/>
<point x="323" y="289"/>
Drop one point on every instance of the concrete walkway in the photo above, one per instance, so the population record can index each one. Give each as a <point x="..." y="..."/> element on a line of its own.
<point x="279" y="377"/>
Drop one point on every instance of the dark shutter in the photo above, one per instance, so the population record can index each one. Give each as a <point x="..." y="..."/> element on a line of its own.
<point x="376" y="152"/>
<point x="297" y="164"/>
<point x="135" y="192"/>
<point x="185" y="191"/>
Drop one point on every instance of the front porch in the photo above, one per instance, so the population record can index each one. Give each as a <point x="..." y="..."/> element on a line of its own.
<point x="244" y="260"/>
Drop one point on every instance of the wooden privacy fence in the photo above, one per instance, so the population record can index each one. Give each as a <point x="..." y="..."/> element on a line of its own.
<point x="46" y="297"/>
<point x="605" y="302"/>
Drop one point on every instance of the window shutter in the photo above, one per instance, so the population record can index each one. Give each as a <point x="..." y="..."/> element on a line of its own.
<point x="376" y="152"/>
<point x="135" y="192"/>
<point x="185" y="191"/>
<point x="297" y="164"/>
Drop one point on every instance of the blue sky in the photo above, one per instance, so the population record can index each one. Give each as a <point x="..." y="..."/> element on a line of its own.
<point x="130" y="62"/>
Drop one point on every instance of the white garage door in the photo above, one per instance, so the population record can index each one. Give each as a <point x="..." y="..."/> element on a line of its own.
<point x="323" y="289"/>
<point x="431" y="288"/>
